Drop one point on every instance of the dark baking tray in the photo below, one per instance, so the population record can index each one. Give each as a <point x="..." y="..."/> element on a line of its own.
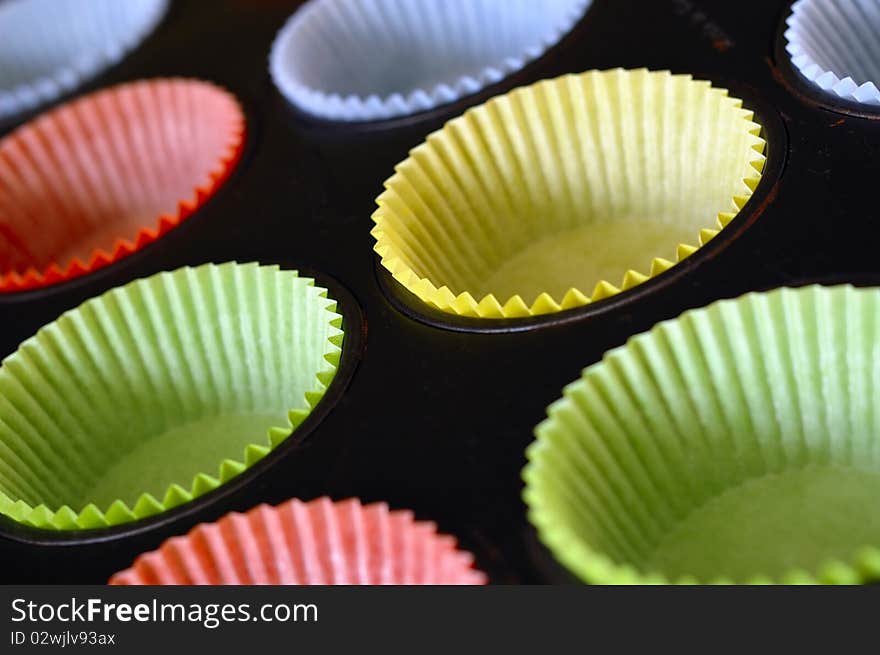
<point x="430" y="412"/>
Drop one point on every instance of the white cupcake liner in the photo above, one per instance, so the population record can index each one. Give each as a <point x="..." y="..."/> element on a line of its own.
<point x="360" y="60"/>
<point x="835" y="45"/>
<point x="50" y="47"/>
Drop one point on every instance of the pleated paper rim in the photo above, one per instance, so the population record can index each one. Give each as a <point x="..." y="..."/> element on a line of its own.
<point x="147" y="505"/>
<point x="490" y="307"/>
<point x="50" y="86"/>
<point x="594" y="567"/>
<point x="464" y="560"/>
<point x="831" y="82"/>
<point x="355" y="108"/>
<point x="126" y="245"/>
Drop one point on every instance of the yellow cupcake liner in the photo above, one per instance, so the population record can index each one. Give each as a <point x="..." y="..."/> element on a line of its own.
<point x="531" y="203"/>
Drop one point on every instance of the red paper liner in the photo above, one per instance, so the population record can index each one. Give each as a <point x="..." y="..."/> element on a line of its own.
<point x="313" y="543"/>
<point x="101" y="177"/>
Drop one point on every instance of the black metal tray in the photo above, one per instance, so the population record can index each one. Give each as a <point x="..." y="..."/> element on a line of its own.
<point x="430" y="412"/>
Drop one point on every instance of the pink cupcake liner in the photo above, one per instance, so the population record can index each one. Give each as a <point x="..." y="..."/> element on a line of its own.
<point x="308" y="543"/>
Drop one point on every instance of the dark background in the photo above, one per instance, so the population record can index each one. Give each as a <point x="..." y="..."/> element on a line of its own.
<point x="434" y="419"/>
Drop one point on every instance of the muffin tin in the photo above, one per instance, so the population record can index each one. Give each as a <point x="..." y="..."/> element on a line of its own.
<point x="430" y="411"/>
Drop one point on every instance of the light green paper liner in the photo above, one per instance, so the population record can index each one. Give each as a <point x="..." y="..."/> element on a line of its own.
<point x="159" y="391"/>
<point x="566" y="192"/>
<point x="737" y="443"/>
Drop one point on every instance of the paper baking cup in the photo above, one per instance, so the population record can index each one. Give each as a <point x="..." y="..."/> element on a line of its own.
<point x="566" y="192"/>
<point x="101" y="177"/>
<point x="50" y="47"/>
<point x="737" y="443"/>
<point x="834" y="44"/>
<point x="160" y="391"/>
<point x="359" y="60"/>
<point x="314" y="543"/>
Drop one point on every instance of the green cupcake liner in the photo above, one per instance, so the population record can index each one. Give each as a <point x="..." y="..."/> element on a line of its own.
<point x="737" y="443"/>
<point x="159" y="391"/>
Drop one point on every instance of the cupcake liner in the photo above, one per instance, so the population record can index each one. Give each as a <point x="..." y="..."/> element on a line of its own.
<point x="834" y="44"/>
<point x="533" y="202"/>
<point x="314" y="543"/>
<point x="160" y="391"/>
<point x="737" y="443"/>
<point x="376" y="59"/>
<point x="101" y="177"/>
<point x="51" y="47"/>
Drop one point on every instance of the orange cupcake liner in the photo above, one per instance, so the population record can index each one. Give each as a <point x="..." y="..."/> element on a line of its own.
<point x="308" y="543"/>
<point x="99" y="178"/>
